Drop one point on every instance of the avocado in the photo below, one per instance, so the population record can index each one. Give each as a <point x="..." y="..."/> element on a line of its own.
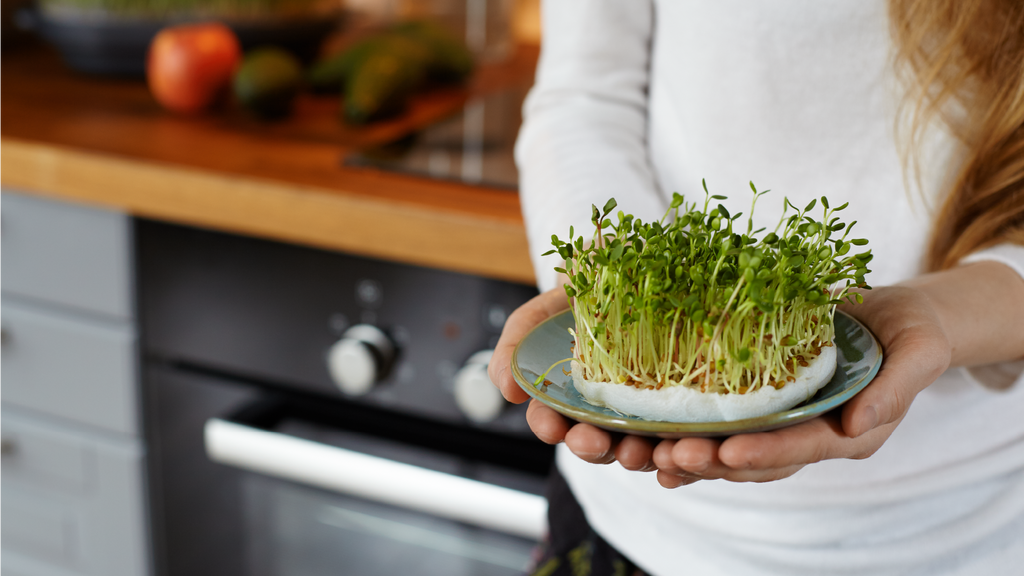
<point x="377" y="75"/>
<point x="268" y="81"/>
<point x="330" y="74"/>
<point x="381" y="85"/>
<point x="450" y="60"/>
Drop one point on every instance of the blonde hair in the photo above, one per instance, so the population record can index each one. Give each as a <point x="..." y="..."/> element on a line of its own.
<point x="964" y="65"/>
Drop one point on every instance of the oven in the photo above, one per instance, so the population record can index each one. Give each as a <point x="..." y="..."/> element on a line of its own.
<point x="313" y="413"/>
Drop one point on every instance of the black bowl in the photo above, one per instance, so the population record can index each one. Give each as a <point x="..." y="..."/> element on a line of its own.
<point x="118" y="46"/>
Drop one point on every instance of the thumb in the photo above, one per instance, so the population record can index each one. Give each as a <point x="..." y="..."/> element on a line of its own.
<point x="518" y="324"/>
<point x="914" y="358"/>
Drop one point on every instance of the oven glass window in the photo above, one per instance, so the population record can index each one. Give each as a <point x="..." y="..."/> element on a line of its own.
<point x="301" y="531"/>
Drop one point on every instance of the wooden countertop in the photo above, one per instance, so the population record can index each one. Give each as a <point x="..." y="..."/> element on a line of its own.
<point x="106" y="142"/>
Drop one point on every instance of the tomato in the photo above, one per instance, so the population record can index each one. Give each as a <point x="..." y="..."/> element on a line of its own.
<point x="190" y="66"/>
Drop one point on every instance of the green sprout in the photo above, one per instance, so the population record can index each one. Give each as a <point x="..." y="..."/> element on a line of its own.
<point x="689" y="301"/>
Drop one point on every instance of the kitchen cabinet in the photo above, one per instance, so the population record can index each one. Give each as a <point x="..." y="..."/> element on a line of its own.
<point x="72" y="500"/>
<point x="67" y="256"/>
<point x="70" y="367"/>
<point x="73" y="455"/>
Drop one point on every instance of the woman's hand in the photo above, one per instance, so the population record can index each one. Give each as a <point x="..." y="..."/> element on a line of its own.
<point x="963" y="316"/>
<point x="520" y="322"/>
<point x="917" y="351"/>
<point x="588" y="442"/>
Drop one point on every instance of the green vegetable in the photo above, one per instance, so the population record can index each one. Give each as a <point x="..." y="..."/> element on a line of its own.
<point x="331" y="74"/>
<point x="382" y="84"/>
<point x="377" y="75"/>
<point x="690" y="301"/>
<point x="450" y="61"/>
<point x="268" y="81"/>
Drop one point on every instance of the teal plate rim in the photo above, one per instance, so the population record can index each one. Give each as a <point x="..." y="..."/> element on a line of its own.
<point x="826" y="399"/>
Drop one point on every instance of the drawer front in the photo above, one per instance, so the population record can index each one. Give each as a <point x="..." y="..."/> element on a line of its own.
<point x="72" y="503"/>
<point x="66" y="254"/>
<point x="72" y="368"/>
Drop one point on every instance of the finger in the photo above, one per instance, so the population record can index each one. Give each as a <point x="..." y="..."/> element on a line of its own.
<point x="689" y="458"/>
<point x="699" y="458"/>
<point x="673" y="481"/>
<point x="916" y="352"/>
<point x="818" y="439"/>
<point x="590" y="443"/>
<point x="723" y="472"/>
<point x="769" y="475"/>
<point x="803" y="443"/>
<point x="662" y="457"/>
<point x="550" y="426"/>
<point x="696" y="455"/>
<point x="914" y="358"/>
<point x="634" y="453"/>
<point x="518" y="324"/>
<point x="699" y="455"/>
<point x="670" y="480"/>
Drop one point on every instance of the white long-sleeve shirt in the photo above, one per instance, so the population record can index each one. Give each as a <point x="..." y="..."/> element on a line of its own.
<point x="636" y="99"/>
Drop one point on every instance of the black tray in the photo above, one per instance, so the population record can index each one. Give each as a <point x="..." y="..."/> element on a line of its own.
<point x="118" y="47"/>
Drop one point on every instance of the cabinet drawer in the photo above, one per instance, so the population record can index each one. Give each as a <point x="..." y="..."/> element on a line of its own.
<point x="72" y="368"/>
<point x="66" y="254"/>
<point x="72" y="503"/>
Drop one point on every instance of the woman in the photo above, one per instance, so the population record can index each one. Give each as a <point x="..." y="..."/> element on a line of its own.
<point x="923" y="471"/>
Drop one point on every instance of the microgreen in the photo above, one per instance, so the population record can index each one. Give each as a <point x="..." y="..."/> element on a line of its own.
<point x="693" y="300"/>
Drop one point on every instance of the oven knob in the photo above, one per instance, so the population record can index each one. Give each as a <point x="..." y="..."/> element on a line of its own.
<point x="357" y="361"/>
<point x="475" y="395"/>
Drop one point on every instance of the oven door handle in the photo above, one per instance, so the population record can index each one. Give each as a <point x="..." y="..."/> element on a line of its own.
<point x="373" y="478"/>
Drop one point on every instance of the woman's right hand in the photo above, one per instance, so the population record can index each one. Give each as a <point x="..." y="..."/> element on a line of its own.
<point x="588" y="442"/>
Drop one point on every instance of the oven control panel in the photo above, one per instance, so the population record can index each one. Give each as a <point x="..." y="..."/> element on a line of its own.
<point x="404" y="338"/>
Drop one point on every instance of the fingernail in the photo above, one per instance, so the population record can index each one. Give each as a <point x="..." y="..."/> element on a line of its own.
<point x="649" y="467"/>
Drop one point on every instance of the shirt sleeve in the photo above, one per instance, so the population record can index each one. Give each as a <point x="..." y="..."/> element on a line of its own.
<point x="584" y="134"/>
<point x="1001" y="375"/>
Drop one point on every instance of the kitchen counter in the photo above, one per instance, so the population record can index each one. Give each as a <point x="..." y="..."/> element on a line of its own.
<point x="105" y="142"/>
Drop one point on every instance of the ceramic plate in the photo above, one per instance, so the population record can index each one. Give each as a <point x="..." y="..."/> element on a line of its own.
<point x="860" y="356"/>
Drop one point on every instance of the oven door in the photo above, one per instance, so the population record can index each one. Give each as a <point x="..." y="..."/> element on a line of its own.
<point x="281" y="484"/>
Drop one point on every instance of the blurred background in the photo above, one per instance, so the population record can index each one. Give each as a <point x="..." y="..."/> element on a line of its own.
<point x="255" y="257"/>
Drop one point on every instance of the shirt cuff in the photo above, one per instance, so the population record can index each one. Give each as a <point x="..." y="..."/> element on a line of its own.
<point x="1010" y="254"/>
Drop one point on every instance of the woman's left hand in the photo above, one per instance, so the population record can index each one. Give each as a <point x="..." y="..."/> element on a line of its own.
<point x="962" y="316"/>
<point x="917" y="351"/>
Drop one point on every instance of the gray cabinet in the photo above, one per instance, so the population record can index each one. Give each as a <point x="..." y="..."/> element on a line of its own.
<point x="70" y="366"/>
<point x="73" y="457"/>
<point x="72" y="500"/>
<point x="66" y="255"/>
